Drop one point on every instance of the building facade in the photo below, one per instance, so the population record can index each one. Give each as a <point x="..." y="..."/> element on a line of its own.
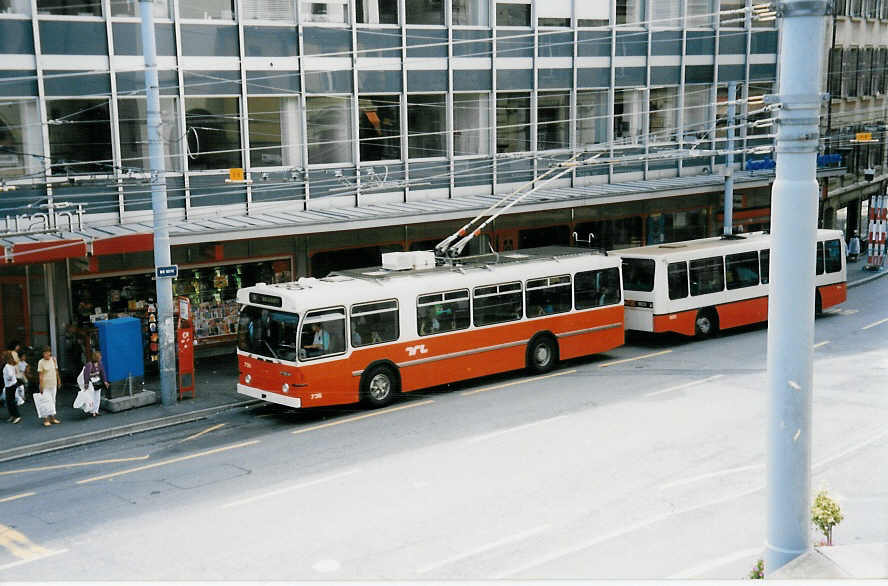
<point x="361" y="126"/>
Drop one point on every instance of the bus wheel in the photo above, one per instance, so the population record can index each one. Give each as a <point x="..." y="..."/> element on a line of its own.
<point x="818" y="305"/>
<point x="379" y="386"/>
<point x="542" y="354"/>
<point x="706" y="324"/>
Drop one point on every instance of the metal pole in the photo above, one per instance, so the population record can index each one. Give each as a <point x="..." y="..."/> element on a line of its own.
<point x="729" y="163"/>
<point x="791" y="300"/>
<point x="165" y="332"/>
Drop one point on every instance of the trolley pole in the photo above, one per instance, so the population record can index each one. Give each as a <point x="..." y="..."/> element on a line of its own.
<point x="165" y="332"/>
<point x="791" y="300"/>
<point x="729" y="162"/>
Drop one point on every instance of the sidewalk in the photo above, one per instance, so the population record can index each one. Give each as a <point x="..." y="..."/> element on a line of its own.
<point x="215" y="392"/>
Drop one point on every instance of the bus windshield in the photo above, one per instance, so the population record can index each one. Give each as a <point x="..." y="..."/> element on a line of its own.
<point x="638" y="274"/>
<point x="269" y="333"/>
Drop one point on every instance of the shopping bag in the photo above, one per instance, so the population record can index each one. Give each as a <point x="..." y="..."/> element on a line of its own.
<point x="84" y="400"/>
<point x="44" y="404"/>
<point x="20" y="395"/>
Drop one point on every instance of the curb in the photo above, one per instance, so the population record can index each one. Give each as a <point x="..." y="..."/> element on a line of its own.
<point x="119" y="431"/>
<point x="878" y="275"/>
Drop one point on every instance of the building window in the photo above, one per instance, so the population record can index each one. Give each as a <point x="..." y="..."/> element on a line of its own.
<point x="330" y="130"/>
<point x="471" y="124"/>
<point x="700" y="13"/>
<point x="732" y="19"/>
<point x="834" y="83"/>
<point x="630" y="11"/>
<point x="880" y="75"/>
<point x="272" y="10"/>
<point x="15" y="7"/>
<point x="70" y="7"/>
<point x="80" y="136"/>
<point x="553" y="121"/>
<point x="132" y="118"/>
<point x="427" y="125"/>
<point x="696" y="111"/>
<point x="662" y="114"/>
<point x="470" y="12"/>
<point x="377" y="11"/>
<point x="212" y="128"/>
<point x="666" y="14"/>
<point x="512" y="14"/>
<point x="424" y="11"/>
<point x="591" y="117"/>
<point x="856" y="7"/>
<point x="275" y="132"/>
<point x="207" y="9"/>
<point x="21" y="143"/>
<point x="869" y="8"/>
<point x="628" y="115"/>
<point x="555" y="12"/>
<point x="325" y="11"/>
<point x="379" y="123"/>
<point x="512" y="122"/>
<point x="864" y="75"/>
<point x="131" y="8"/>
<point x="849" y="73"/>
<point x="591" y="14"/>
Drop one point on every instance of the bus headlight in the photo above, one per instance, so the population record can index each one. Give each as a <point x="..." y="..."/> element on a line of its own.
<point x="285" y="388"/>
<point x="248" y="378"/>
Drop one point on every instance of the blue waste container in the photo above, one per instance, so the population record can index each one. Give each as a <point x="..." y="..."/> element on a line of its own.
<point x="120" y="341"/>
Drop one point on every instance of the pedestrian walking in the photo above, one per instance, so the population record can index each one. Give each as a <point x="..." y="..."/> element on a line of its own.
<point x="854" y="247"/>
<point x="48" y="383"/>
<point x="20" y="365"/>
<point x="10" y="382"/>
<point x="93" y="380"/>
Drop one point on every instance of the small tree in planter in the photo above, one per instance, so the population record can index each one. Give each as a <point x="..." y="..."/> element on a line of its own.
<point x="826" y="514"/>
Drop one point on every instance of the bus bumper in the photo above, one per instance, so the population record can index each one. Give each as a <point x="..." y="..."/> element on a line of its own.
<point x="269" y="396"/>
<point x="639" y="319"/>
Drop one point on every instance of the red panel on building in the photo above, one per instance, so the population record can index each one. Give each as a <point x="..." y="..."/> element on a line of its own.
<point x="120" y="244"/>
<point x="50" y="250"/>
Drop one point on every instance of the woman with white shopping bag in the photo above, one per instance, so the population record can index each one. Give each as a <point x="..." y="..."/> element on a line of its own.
<point x="45" y="400"/>
<point x="10" y="382"/>
<point x="92" y="381"/>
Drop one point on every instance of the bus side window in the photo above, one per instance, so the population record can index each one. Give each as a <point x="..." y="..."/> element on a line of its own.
<point x="707" y="275"/>
<point x="820" y="258"/>
<point x="742" y="270"/>
<point x="765" y="264"/>
<point x="497" y="304"/>
<point x="597" y="288"/>
<point x="833" y="255"/>
<point x="547" y="296"/>
<point x="442" y="312"/>
<point x="677" y="274"/>
<point x="374" y="323"/>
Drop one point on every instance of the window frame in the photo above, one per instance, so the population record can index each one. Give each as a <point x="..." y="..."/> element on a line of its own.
<point x="499" y="292"/>
<point x="304" y="321"/>
<point x="351" y="314"/>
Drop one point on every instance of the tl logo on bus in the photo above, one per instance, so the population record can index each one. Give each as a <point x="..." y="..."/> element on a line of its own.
<point x="414" y="350"/>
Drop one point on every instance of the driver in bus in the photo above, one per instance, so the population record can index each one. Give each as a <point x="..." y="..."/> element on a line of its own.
<point x="320" y="343"/>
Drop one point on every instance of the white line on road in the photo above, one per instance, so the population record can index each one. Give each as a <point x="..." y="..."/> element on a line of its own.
<point x="485" y="548"/>
<point x="16" y="497"/>
<point x="623" y="361"/>
<point x="487" y="436"/>
<point x="823" y="343"/>
<point x="684" y="386"/>
<point x="874" y="324"/>
<point x="850" y="449"/>
<point x="517" y="382"/>
<point x="716" y="563"/>
<point x="287" y="489"/>
<point x="200" y="433"/>
<point x="711" y="475"/>
<point x="34" y="559"/>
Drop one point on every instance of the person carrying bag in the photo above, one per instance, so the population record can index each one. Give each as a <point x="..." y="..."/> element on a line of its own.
<point x="48" y="382"/>
<point x="10" y="383"/>
<point x="92" y="381"/>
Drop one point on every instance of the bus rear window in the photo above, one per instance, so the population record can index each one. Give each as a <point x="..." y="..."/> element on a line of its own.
<point x="269" y="333"/>
<point x="638" y="274"/>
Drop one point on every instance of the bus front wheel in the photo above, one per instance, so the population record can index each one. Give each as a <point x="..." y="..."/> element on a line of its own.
<point x="542" y="354"/>
<point x="379" y="386"/>
<point x="706" y="324"/>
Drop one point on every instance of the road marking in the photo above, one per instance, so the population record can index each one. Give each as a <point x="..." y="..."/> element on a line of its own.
<point x="511" y="429"/>
<point x="287" y="489"/>
<point x="48" y="554"/>
<point x="606" y="364"/>
<point x="711" y="475"/>
<point x="365" y="416"/>
<point x="16" y="497"/>
<point x="819" y="344"/>
<point x="850" y="449"/>
<point x="485" y="548"/>
<point x="695" y="571"/>
<point x="874" y="324"/>
<point x="200" y="433"/>
<point x="170" y="461"/>
<point x="621" y="532"/>
<point x="684" y="386"/>
<point x="517" y="382"/>
<point x="73" y="465"/>
<point x="18" y="544"/>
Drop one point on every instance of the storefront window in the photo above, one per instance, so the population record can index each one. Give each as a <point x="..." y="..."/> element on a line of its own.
<point x="275" y="132"/>
<point x="425" y="11"/>
<point x="213" y="133"/>
<point x="512" y="122"/>
<point x="329" y="123"/>
<point x="15" y="7"/>
<point x="79" y="136"/>
<point x="131" y="8"/>
<point x="21" y="146"/>
<point x="134" y="134"/>
<point x="427" y="124"/>
<point x="471" y="124"/>
<point x="324" y="11"/>
<point x="70" y="7"/>
<point x="377" y="12"/>
<point x="380" y="127"/>
<point x="553" y="121"/>
<point x="207" y="9"/>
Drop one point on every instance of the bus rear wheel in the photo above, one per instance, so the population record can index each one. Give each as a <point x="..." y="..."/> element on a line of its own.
<point x="542" y="354"/>
<point x="706" y="323"/>
<point x="379" y="386"/>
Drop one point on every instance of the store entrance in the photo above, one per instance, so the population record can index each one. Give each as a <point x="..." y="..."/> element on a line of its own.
<point x="13" y="311"/>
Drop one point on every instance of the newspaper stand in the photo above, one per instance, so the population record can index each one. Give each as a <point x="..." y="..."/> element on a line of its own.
<point x="185" y="348"/>
<point x="878" y="218"/>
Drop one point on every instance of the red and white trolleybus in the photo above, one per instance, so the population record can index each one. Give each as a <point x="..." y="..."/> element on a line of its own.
<point x="368" y="334"/>
<point x="700" y="286"/>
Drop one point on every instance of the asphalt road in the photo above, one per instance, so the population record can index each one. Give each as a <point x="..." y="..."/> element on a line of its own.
<point x="647" y="462"/>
